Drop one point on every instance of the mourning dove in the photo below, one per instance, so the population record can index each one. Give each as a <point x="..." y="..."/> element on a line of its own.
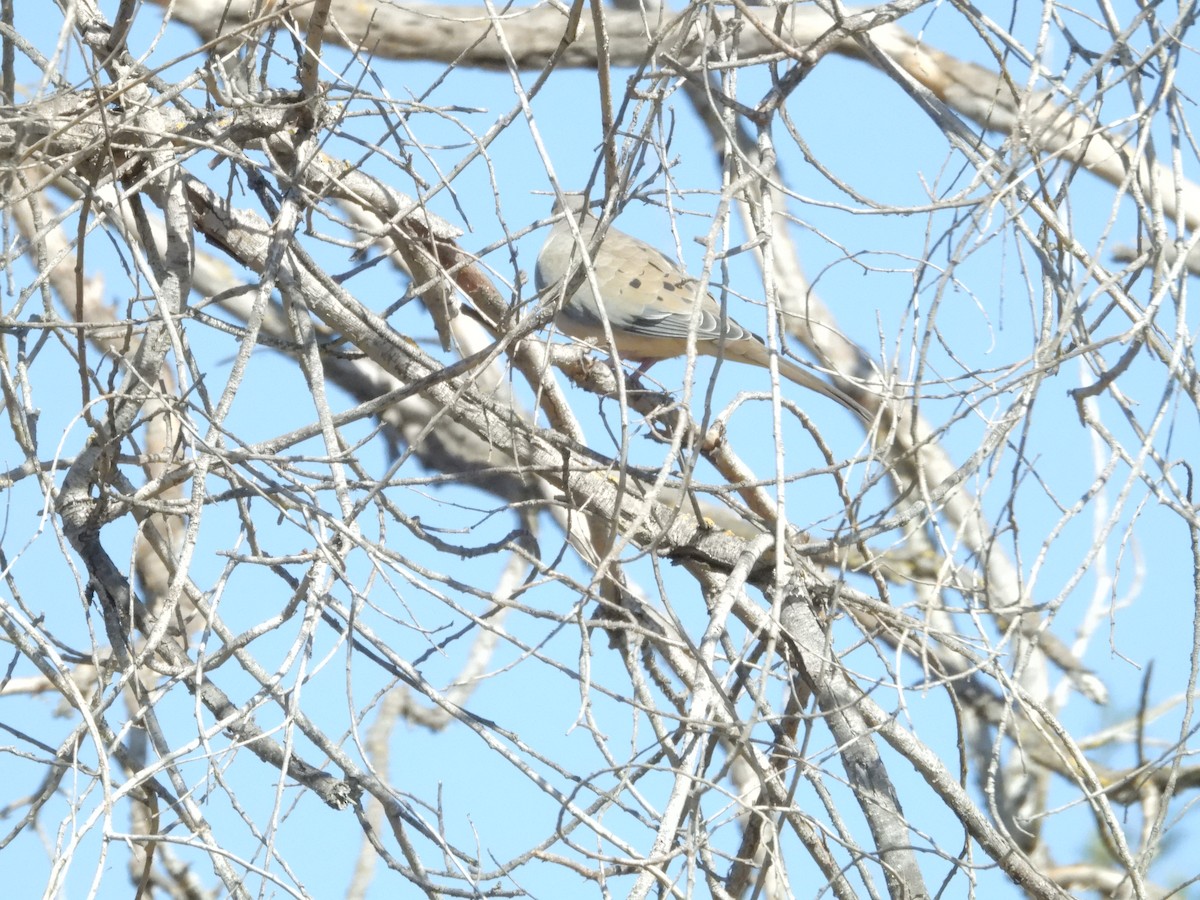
<point x="648" y="302"/>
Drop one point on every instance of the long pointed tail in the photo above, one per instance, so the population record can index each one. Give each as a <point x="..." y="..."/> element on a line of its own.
<point x="756" y="354"/>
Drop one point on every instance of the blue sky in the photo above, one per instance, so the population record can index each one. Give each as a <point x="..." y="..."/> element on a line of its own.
<point x="864" y="263"/>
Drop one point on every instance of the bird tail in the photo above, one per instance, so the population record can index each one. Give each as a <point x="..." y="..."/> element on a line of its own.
<point x="804" y="378"/>
<point x="751" y="351"/>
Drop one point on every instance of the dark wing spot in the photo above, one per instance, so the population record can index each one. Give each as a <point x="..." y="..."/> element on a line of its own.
<point x="635" y="283"/>
<point x="669" y="286"/>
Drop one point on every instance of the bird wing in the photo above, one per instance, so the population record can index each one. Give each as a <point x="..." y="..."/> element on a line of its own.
<point x="644" y="293"/>
<point x="651" y="296"/>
